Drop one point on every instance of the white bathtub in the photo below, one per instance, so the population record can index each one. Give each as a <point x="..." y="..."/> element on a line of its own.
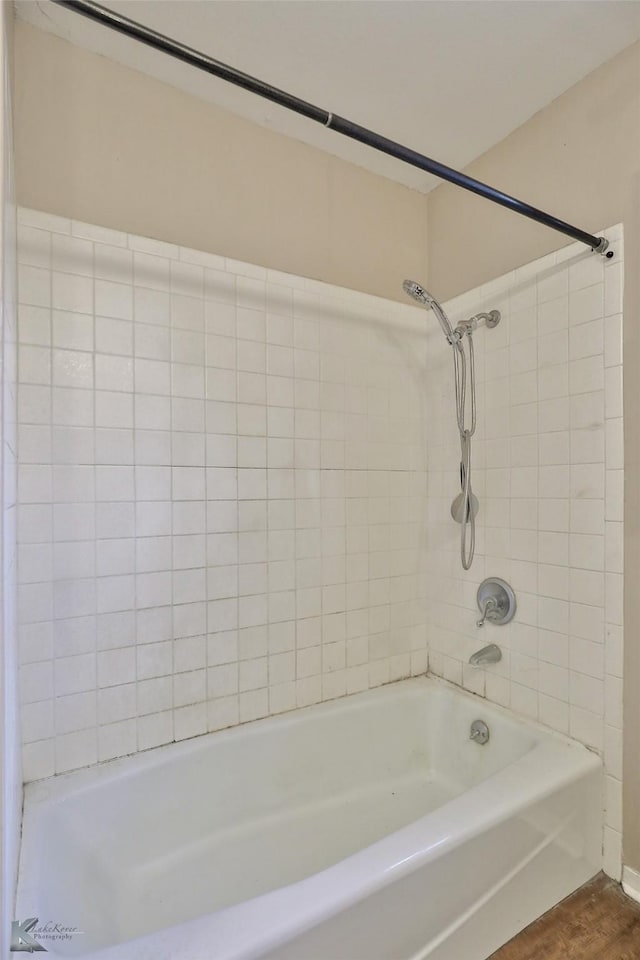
<point x="370" y="827"/>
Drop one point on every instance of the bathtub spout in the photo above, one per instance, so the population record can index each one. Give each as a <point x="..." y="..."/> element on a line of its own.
<point x="490" y="654"/>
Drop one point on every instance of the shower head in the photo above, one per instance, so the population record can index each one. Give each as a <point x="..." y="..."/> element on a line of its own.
<point x="420" y="295"/>
<point x="416" y="291"/>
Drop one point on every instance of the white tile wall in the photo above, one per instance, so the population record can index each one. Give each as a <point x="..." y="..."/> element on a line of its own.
<point x="226" y="512"/>
<point x="548" y="469"/>
<point x="222" y="492"/>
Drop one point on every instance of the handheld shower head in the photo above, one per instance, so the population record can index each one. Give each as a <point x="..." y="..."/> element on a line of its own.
<point x="416" y="291"/>
<point x="420" y="295"/>
<point x="465" y="505"/>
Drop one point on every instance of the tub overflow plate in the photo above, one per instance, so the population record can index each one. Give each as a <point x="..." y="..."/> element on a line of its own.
<point x="479" y="732"/>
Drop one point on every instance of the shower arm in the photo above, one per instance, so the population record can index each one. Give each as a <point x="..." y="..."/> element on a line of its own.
<point x="490" y="320"/>
<point x="347" y="128"/>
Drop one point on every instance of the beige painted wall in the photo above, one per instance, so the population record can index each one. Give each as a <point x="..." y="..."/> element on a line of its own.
<point x="579" y="158"/>
<point x="105" y="144"/>
<point x="575" y="159"/>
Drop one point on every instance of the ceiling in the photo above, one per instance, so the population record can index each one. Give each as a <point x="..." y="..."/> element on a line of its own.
<point x="449" y="78"/>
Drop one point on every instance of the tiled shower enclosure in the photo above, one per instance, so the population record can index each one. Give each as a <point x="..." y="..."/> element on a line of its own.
<point x="234" y="491"/>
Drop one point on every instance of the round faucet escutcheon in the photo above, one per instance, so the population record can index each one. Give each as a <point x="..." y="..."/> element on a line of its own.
<point x="496" y="602"/>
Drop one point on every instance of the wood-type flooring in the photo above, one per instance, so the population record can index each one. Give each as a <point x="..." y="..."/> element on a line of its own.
<point x="597" y="922"/>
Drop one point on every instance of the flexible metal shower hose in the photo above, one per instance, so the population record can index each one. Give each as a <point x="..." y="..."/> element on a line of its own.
<point x="467" y="550"/>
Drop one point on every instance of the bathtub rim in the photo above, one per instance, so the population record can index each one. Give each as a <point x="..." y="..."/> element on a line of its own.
<point x="279" y="915"/>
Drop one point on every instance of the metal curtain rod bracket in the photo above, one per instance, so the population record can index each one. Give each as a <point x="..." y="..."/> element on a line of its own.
<point x="347" y="128"/>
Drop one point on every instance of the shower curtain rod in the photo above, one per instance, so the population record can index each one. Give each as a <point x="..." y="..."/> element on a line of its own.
<point x="347" y="128"/>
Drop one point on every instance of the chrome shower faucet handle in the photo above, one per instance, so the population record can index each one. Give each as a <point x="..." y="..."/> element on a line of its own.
<point x="490" y="607"/>
<point x="496" y="602"/>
